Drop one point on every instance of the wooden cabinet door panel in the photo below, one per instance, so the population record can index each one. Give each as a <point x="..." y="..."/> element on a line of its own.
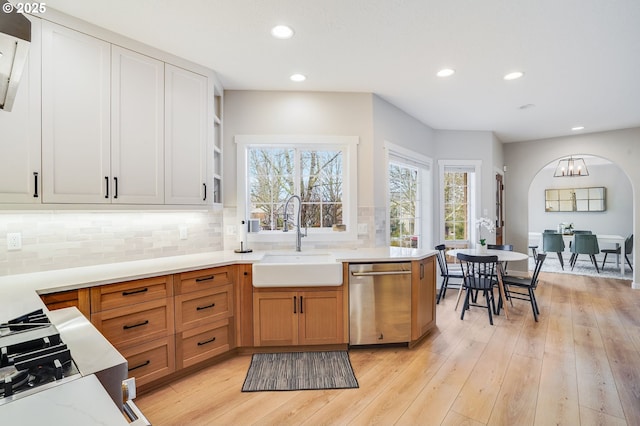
<point x="275" y="319"/>
<point x="205" y="306"/>
<point x="423" y="288"/>
<point x="320" y="319"/>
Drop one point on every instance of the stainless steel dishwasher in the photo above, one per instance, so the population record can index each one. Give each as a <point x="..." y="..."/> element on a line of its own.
<point x="379" y="303"/>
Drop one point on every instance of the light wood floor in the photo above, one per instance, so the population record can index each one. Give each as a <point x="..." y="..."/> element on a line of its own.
<point x="579" y="365"/>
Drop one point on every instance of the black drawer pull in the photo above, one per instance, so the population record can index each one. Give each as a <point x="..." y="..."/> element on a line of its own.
<point x="128" y="327"/>
<point x="106" y="185"/>
<point x="213" y="339"/>
<point x="144" y="364"/>
<point x="129" y="293"/>
<point x="200" y="308"/>
<point x="207" y="278"/>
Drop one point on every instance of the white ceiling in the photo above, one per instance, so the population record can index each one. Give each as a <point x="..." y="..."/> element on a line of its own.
<point x="581" y="58"/>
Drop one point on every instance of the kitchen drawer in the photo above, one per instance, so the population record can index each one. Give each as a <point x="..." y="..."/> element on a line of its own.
<point x="114" y="296"/>
<point x="131" y="325"/>
<point x="201" y="343"/>
<point x="203" y="307"/>
<point x="152" y="360"/>
<point x="188" y="282"/>
<point x="65" y="299"/>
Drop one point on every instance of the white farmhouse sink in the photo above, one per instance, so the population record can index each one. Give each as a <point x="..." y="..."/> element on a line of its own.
<point x="288" y="269"/>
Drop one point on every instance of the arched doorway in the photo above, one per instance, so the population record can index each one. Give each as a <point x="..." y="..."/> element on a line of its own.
<point x="573" y="202"/>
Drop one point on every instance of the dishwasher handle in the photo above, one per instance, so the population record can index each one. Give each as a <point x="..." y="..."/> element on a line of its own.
<point x="378" y="273"/>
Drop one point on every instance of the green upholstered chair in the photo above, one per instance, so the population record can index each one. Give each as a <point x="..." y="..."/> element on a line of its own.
<point x="553" y="243"/>
<point x="573" y="255"/>
<point x="585" y="244"/>
<point x="628" y="248"/>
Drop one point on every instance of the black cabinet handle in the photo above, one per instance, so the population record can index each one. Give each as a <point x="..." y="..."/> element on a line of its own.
<point x="129" y="293"/>
<point x="115" y="180"/>
<point x="213" y="339"/>
<point x="205" y="192"/>
<point x="301" y="304"/>
<point x="144" y="364"/>
<point x="35" y="179"/>
<point x="207" y="278"/>
<point x="106" y="184"/>
<point x="421" y="270"/>
<point x="201" y="308"/>
<point x="140" y="324"/>
<point x="295" y="305"/>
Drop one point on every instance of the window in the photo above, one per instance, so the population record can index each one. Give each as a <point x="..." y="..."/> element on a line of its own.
<point x="459" y="194"/>
<point x="456" y="206"/>
<point x="409" y="177"/>
<point x="321" y="170"/>
<point x="315" y="175"/>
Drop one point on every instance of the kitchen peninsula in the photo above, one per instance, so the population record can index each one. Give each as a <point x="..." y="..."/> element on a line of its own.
<point x="191" y="299"/>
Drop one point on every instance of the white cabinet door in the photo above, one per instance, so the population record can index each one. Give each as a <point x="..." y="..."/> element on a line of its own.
<point x="137" y="128"/>
<point x="185" y="137"/>
<point x="75" y="116"/>
<point x="20" y="180"/>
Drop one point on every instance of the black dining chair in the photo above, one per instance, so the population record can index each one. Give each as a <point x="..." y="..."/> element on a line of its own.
<point x="446" y="273"/>
<point x="628" y="248"/>
<point x="506" y="247"/>
<point x="479" y="273"/>
<point x="524" y="288"/>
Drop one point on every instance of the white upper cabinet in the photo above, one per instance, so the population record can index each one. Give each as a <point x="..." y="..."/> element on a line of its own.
<point x="137" y="128"/>
<point x="186" y="137"/>
<point x="20" y="180"/>
<point x="75" y="116"/>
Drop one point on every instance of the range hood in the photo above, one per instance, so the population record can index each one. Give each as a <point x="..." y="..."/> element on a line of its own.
<point x="15" y="37"/>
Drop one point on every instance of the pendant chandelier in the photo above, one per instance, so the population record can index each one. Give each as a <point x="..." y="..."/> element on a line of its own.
<point x="571" y="167"/>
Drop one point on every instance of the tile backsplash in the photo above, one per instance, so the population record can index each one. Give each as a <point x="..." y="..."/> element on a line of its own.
<point x="63" y="239"/>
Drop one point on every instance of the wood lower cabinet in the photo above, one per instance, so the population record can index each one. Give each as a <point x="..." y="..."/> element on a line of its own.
<point x="201" y="343"/>
<point x="64" y="299"/>
<point x="423" y="300"/>
<point x="151" y="360"/>
<point x="301" y="317"/>
<point x="204" y="314"/>
<point x="137" y="317"/>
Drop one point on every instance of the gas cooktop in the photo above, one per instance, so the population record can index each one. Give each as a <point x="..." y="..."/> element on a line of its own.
<point x="32" y="356"/>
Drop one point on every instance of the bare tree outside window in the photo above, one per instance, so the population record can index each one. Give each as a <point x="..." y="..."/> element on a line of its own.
<point x="456" y="206"/>
<point x="315" y="175"/>
<point x="403" y="196"/>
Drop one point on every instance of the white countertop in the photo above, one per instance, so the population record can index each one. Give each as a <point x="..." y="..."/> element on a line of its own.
<point x="81" y="402"/>
<point x="20" y="292"/>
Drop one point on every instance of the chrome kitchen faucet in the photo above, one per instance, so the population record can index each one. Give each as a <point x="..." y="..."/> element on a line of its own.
<point x="297" y="225"/>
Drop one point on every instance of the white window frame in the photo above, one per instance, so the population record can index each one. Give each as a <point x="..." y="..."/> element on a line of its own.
<point x="474" y="195"/>
<point x="347" y="144"/>
<point x="400" y="155"/>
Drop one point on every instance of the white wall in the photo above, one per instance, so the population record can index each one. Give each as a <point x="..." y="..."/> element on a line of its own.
<point x="617" y="219"/>
<point x="365" y="115"/>
<point x="525" y="159"/>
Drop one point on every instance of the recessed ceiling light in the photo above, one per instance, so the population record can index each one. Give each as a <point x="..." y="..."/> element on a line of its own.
<point x="576" y="128"/>
<point x="445" y="72"/>
<point x="298" y="77"/>
<point x="526" y="106"/>
<point x="282" y="32"/>
<point x="514" y="75"/>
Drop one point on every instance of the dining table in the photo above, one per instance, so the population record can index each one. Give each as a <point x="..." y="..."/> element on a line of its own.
<point x="503" y="257"/>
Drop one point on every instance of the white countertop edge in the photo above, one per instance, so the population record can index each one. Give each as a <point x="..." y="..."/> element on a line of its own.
<point x="20" y="291"/>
